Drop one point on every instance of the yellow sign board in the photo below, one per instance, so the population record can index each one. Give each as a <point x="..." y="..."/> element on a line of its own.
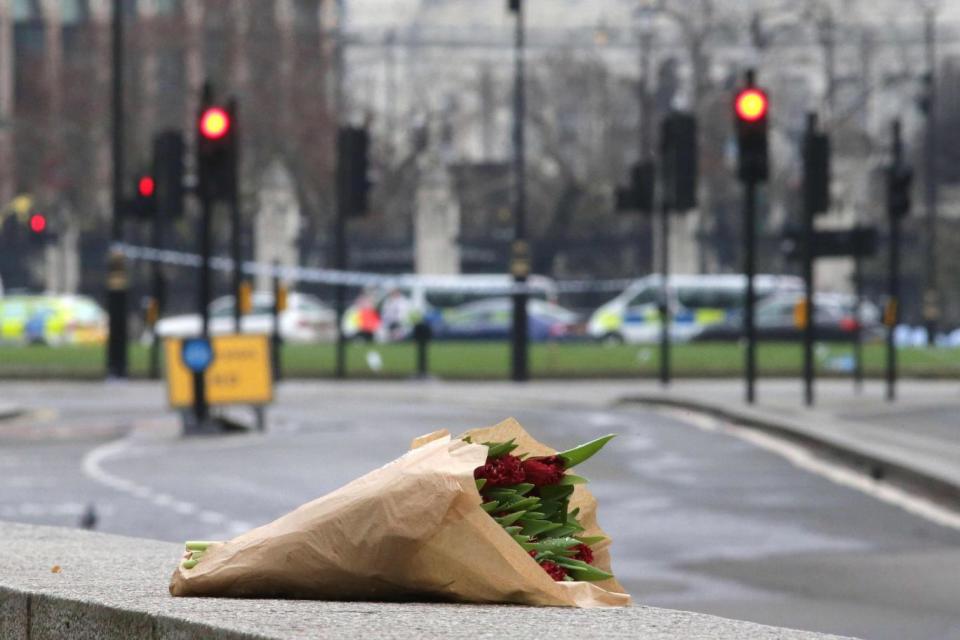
<point x="239" y="374"/>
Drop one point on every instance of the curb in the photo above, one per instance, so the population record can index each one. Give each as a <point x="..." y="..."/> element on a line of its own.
<point x="862" y="456"/>
<point x="108" y="587"/>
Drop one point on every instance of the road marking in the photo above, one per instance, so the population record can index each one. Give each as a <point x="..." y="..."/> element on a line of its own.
<point x="93" y="469"/>
<point x="805" y="459"/>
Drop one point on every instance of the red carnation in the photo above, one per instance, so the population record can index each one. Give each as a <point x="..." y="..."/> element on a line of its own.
<point x="543" y="471"/>
<point x="501" y="472"/>
<point x="553" y="570"/>
<point x="584" y="553"/>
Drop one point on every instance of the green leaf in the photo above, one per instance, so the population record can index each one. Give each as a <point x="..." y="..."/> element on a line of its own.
<point x="490" y="507"/>
<point x="480" y="483"/>
<point x="538" y="527"/>
<point x="498" y="449"/>
<point x="534" y="515"/>
<point x="573" y="457"/>
<point x="198" y="545"/>
<point x="522" y="504"/>
<point x="506" y="521"/>
<point x="513" y="530"/>
<point x="556" y="544"/>
<point x="555" y="492"/>
<point x="564" y="530"/>
<point x="188" y="564"/>
<point x="582" y="571"/>
<point x="573" y="514"/>
<point x="570" y="479"/>
<point x="591" y="540"/>
<point x="468" y="440"/>
<point x="522" y="489"/>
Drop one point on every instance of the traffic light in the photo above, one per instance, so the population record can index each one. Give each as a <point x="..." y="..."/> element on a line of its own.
<point x="352" y="165"/>
<point x="678" y="142"/>
<point x="638" y="195"/>
<point x="899" y="187"/>
<point x="216" y="149"/>
<point x="145" y="195"/>
<point x="38" y="225"/>
<point x="816" y="170"/>
<point x="168" y="172"/>
<point x="751" y="107"/>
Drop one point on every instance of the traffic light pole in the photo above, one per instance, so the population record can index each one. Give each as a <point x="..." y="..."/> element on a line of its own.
<point x="340" y="260"/>
<point x="749" y="266"/>
<point x="116" y="269"/>
<point x="236" y="236"/>
<point x="520" y="258"/>
<point x="665" y="315"/>
<point x="809" y="311"/>
<point x="159" y="289"/>
<point x="275" y="340"/>
<point x="200" y="410"/>
<point x="857" y="330"/>
<point x="892" y="312"/>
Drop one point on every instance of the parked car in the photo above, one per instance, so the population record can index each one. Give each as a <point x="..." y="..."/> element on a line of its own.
<point x="306" y="319"/>
<point x="697" y="301"/>
<point x="776" y="319"/>
<point x="426" y="297"/>
<point x="492" y="318"/>
<point x="52" y="320"/>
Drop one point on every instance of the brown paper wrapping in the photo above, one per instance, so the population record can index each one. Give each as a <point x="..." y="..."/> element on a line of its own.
<point x="411" y="530"/>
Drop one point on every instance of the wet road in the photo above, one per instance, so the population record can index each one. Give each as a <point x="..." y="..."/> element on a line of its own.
<point x="700" y="520"/>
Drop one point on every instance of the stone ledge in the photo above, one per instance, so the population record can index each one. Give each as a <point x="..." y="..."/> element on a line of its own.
<point x="113" y="587"/>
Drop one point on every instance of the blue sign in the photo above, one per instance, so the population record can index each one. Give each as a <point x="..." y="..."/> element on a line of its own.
<point x="197" y="354"/>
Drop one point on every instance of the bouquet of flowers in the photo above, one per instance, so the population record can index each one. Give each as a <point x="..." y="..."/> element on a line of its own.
<point x="490" y="516"/>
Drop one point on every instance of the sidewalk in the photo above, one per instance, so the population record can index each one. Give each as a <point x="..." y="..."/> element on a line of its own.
<point x="915" y="440"/>
<point x="57" y="583"/>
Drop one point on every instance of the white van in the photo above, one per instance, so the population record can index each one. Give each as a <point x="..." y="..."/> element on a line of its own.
<point x="696" y="301"/>
<point x="427" y="294"/>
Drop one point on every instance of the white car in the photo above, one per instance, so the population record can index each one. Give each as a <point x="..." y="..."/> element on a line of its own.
<point x="306" y="319"/>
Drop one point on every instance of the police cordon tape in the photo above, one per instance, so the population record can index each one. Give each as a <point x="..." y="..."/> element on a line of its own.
<point x="366" y="279"/>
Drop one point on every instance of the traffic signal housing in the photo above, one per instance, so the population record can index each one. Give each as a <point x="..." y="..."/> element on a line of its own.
<point x="751" y="107"/>
<point x="639" y="193"/>
<point x="678" y="142"/>
<point x="168" y="149"/>
<point x="216" y="149"/>
<point x="144" y="203"/>
<point x="899" y="187"/>
<point x="353" y="185"/>
<point x="816" y="170"/>
<point x="39" y="227"/>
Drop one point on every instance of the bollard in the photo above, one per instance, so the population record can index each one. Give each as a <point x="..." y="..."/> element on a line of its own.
<point x="422" y="334"/>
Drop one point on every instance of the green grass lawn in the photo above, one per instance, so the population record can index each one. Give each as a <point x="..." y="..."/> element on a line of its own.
<point x="466" y="360"/>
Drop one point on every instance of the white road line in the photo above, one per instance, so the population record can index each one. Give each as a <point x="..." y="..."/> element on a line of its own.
<point x="93" y="469"/>
<point x="805" y="459"/>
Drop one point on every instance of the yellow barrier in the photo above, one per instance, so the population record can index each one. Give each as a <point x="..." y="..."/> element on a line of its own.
<point x="239" y="374"/>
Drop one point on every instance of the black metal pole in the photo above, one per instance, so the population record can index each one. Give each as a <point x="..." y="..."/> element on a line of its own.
<point x="749" y="233"/>
<point x="159" y="288"/>
<point x="199" y="389"/>
<point x="931" y="298"/>
<point x="893" y="303"/>
<point x="857" y="316"/>
<point x="236" y="227"/>
<point x="665" y="315"/>
<point x="521" y="257"/>
<point x="809" y="311"/>
<point x="340" y="260"/>
<point x="116" y="275"/>
<point x="275" y="338"/>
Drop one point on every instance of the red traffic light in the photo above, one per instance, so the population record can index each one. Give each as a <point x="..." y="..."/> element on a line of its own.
<point x="146" y="185"/>
<point x="214" y="123"/>
<point x="751" y="105"/>
<point x="38" y="223"/>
